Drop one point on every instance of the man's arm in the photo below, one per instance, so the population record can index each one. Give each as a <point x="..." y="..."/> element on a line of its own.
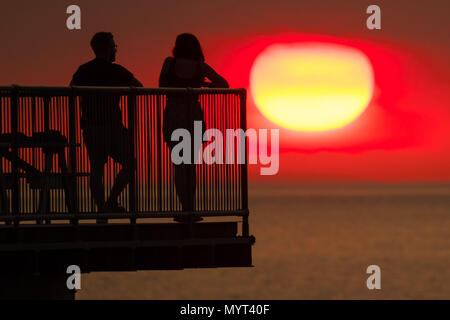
<point x="135" y="83"/>
<point x="124" y="77"/>
<point x="75" y="78"/>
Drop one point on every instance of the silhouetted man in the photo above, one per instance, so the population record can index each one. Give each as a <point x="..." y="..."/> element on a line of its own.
<point x="103" y="131"/>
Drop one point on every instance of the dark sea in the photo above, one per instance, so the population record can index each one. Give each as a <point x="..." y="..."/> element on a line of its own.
<point x="316" y="242"/>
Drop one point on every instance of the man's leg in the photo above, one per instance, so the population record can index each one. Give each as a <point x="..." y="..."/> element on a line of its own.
<point x="121" y="181"/>
<point x="96" y="184"/>
<point x="120" y="152"/>
<point x="97" y="158"/>
<point x="185" y="184"/>
<point x="182" y="186"/>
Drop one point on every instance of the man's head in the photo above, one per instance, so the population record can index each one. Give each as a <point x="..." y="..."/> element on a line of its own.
<point x="104" y="46"/>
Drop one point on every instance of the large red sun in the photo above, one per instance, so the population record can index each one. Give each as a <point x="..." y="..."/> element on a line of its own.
<point x="311" y="86"/>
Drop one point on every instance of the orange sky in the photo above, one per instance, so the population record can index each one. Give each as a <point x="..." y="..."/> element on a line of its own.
<point x="402" y="136"/>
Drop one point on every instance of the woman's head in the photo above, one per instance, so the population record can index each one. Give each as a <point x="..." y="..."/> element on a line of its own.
<point x="187" y="46"/>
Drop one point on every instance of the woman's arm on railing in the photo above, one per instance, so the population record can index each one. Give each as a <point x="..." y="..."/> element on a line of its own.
<point x="217" y="81"/>
<point x="164" y="75"/>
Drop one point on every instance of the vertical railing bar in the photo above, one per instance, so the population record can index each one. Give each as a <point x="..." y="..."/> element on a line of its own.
<point x="210" y="166"/>
<point x="139" y="167"/>
<point x="221" y="167"/>
<point x="46" y="196"/>
<point x="159" y="151"/>
<point x="236" y="165"/>
<point x="245" y="225"/>
<point x="203" y="165"/>
<point x="131" y="99"/>
<point x="34" y="151"/>
<point x="15" y="169"/>
<point x="219" y="153"/>
<point x="2" y="184"/>
<point x="216" y="166"/>
<point x="26" y="126"/>
<point x="150" y="144"/>
<point x="227" y="166"/>
<point x="73" y="158"/>
<point x="4" y="203"/>
<point x="149" y="188"/>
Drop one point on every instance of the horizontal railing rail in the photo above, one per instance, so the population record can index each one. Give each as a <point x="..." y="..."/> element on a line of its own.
<point x="42" y="139"/>
<point x="41" y="91"/>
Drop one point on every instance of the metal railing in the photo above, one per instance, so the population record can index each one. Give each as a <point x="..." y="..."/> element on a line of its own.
<point x="45" y="168"/>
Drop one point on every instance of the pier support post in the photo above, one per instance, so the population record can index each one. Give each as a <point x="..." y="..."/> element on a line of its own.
<point x="42" y="287"/>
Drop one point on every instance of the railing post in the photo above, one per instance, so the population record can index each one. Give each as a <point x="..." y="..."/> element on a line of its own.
<point x="244" y="177"/>
<point x="45" y="190"/>
<point x="189" y="96"/>
<point x="73" y="156"/>
<point x="4" y="208"/>
<point x="46" y="113"/>
<point x="131" y="159"/>
<point x="159" y="151"/>
<point x="15" y="152"/>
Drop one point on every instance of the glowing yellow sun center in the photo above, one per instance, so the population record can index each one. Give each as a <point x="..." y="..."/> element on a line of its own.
<point x="311" y="86"/>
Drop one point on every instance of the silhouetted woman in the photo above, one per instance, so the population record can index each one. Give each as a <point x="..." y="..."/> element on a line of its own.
<point x="187" y="68"/>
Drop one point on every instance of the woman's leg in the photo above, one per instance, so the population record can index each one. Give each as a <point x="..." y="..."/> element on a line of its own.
<point x="185" y="185"/>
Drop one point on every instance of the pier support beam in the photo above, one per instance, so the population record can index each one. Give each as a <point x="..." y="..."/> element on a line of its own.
<point x="42" y="287"/>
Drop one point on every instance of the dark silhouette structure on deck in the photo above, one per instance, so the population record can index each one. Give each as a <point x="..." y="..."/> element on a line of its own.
<point x="47" y="212"/>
